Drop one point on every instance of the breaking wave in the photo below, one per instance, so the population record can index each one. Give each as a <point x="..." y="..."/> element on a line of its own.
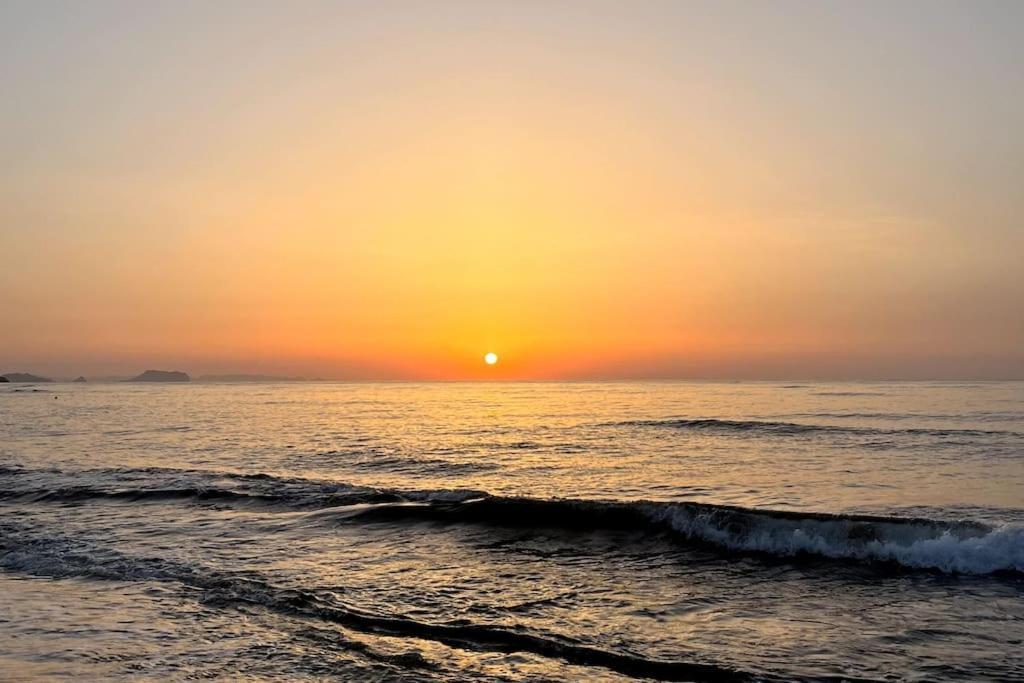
<point x="953" y="547"/>
<point x="956" y="547"/>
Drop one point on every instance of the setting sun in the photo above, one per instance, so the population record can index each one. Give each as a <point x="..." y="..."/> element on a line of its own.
<point x="491" y="358"/>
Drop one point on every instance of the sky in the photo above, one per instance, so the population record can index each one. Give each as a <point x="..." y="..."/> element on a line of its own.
<point x="590" y="190"/>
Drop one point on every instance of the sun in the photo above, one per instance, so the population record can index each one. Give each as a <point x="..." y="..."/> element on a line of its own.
<point x="491" y="358"/>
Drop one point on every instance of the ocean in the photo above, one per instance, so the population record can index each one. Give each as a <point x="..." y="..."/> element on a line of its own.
<point x="690" y="531"/>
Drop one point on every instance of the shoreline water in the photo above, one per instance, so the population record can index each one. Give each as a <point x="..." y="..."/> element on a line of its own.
<point x="704" y="531"/>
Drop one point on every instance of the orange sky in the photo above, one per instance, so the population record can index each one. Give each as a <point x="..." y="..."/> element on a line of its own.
<point x="588" y="190"/>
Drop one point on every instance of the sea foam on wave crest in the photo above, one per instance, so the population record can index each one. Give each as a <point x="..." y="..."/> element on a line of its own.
<point x="965" y="547"/>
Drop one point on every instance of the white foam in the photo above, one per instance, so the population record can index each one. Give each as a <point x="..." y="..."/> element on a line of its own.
<point x="966" y="548"/>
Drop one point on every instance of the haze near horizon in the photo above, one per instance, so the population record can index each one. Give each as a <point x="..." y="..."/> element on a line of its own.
<point x="586" y="190"/>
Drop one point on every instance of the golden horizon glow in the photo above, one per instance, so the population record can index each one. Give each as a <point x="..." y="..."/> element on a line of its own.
<point x="597" y="190"/>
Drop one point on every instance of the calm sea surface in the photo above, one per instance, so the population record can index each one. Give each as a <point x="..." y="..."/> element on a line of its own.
<point x="589" y="531"/>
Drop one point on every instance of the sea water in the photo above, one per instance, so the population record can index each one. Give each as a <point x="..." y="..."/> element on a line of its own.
<point x="520" y="531"/>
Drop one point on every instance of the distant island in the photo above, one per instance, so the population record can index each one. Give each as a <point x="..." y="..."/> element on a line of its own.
<point x="161" y="376"/>
<point x="25" y="377"/>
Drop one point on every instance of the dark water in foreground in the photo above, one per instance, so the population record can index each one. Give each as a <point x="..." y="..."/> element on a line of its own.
<point x="664" y="531"/>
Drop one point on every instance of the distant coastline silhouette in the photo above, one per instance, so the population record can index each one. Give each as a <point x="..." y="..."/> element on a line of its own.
<point x="24" y="377"/>
<point x="161" y="376"/>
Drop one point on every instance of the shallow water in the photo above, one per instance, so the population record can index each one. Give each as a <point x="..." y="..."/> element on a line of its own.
<point x="671" y="531"/>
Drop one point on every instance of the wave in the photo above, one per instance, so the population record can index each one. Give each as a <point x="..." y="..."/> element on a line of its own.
<point x="156" y="484"/>
<point x="63" y="558"/>
<point x="966" y="547"/>
<point x="978" y="417"/>
<point x="953" y="547"/>
<point x="374" y="460"/>
<point x="794" y="428"/>
<point x="331" y="496"/>
<point x="75" y="494"/>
